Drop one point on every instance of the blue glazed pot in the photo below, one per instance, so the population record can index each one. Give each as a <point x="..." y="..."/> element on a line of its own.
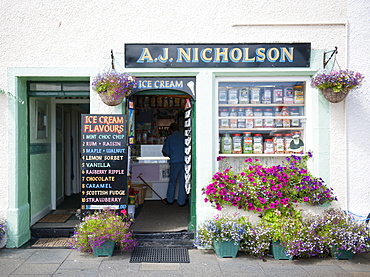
<point x="278" y="251"/>
<point x="105" y="250"/>
<point x="340" y="254"/>
<point x="226" y="249"/>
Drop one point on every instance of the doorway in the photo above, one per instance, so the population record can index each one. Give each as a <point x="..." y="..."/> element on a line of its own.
<point x="54" y="142"/>
<point x="154" y="112"/>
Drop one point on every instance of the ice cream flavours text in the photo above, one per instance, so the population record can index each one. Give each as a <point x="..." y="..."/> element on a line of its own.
<point x="103" y="124"/>
<point x="104" y="143"/>
<point x="218" y="54"/>
<point x="97" y="186"/>
<point x="95" y="165"/>
<point x="103" y="129"/>
<point x="102" y="200"/>
<point x="103" y="158"/>
<point x="94" y="119"/>
<point x="103" y="171"/>
<point x="103" y="192"/>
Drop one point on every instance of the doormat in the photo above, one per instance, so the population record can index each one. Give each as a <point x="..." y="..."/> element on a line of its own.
<point x="53" y="243"/>
<point x="55" y="218"/>
<point x="159" y="255"/>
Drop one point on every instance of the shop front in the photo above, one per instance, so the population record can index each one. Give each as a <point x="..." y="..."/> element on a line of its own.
<point x="234" y="100"/>
<point x="252" y="100"/>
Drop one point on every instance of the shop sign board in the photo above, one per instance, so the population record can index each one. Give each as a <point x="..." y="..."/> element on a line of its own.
<point x="104" y="159"/>
<point x="217" y="55"/>
<point x="184" y="84"/>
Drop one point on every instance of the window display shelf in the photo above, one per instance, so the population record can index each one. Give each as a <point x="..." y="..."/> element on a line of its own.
<point x="261" y="129"/>
<point x="260" y="105"/>
<point x="264" y="117"/>
<point x="260" y="155"/>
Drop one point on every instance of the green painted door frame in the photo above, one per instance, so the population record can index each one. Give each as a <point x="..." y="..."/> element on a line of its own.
<point x="192" y="196"/>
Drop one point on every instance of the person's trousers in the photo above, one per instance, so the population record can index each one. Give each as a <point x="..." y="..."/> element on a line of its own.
<point x="177" y="171"/>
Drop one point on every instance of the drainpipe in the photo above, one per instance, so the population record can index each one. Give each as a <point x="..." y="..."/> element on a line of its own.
<point x="346" y="125"/>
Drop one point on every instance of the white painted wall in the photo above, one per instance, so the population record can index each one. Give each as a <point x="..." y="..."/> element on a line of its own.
<point x="358" y="109"/>
<point x="61" y="38"/>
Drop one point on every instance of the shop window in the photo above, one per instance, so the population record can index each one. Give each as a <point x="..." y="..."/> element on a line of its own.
<point x="261" y="118"/>
<point x="59" y="89"/>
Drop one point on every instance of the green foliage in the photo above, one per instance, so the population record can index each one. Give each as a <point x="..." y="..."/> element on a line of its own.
<point x="222" y="228"/>
<point x="283" y="224"/>
<point x="337" y="80"/>
<point x="114" y="84"/>
<point x="101" y="226"/>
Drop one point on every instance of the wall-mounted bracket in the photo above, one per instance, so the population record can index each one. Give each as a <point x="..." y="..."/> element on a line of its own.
<point x="333" y="52"/>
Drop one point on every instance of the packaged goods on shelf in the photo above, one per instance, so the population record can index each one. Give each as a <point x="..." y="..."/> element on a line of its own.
<point x="277" y="96"/>
<point x="247" y="143"/>
<point x="268" y="146"/>
<point x="237" y="144"/>
<point x="244" y="96"/>
<point x="288" y="95"/>
<point x="257" y="144"/>
<point x="233" y="96"/>
<point x="266" y="96"/>
<point x="255" y="96"/>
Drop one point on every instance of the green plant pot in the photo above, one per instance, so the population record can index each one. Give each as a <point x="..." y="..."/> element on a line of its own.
<point x="339" y="254"/>
<point x="278" y="251"/>
<point x="105" y="250"/>
<point x="325" y="205"/>
<point x="226" y="249"/>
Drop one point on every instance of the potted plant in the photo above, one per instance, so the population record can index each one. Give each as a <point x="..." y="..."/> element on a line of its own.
<point x="259" y="188"/>
<point x="283" y="226"/>
<point x="113" y="86"/>
<point x="335" y="85"/>
<point x="256" y="241"/>
<point x="2" y="233"/>
<point x="332" y="232"/>
<point x="343" y="235"/>
<point x="307" y="241"/>
<point x="222" y="233"/>
<point x="101" y="231"/>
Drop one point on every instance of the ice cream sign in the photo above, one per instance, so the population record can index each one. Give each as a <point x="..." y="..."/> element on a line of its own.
<point x="218" y="55"/>
<point x="184" y="84"/>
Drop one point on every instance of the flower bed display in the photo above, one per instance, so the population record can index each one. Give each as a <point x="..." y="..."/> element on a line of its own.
<point x="275" y="192"/>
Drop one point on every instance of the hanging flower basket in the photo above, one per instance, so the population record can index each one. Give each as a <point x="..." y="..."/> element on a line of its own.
<point x="113" y="86"/>
<point x="335" y="85"/>
<point x="335" y="97"/>
<point x="110" y="99"/>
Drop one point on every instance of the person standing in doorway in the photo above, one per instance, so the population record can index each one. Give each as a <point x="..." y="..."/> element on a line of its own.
<point x="174" y="148"/>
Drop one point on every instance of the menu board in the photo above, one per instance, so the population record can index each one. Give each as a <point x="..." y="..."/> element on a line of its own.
<point x="104" y="158"/>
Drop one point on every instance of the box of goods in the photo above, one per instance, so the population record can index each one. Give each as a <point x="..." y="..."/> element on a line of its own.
<point x="141" y="188"/>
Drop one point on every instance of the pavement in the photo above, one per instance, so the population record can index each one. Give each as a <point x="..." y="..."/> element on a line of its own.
<point x="69" y="262"/>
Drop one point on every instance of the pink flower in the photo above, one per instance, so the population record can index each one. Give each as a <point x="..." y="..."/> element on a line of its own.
<point x="262" y="200"/>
